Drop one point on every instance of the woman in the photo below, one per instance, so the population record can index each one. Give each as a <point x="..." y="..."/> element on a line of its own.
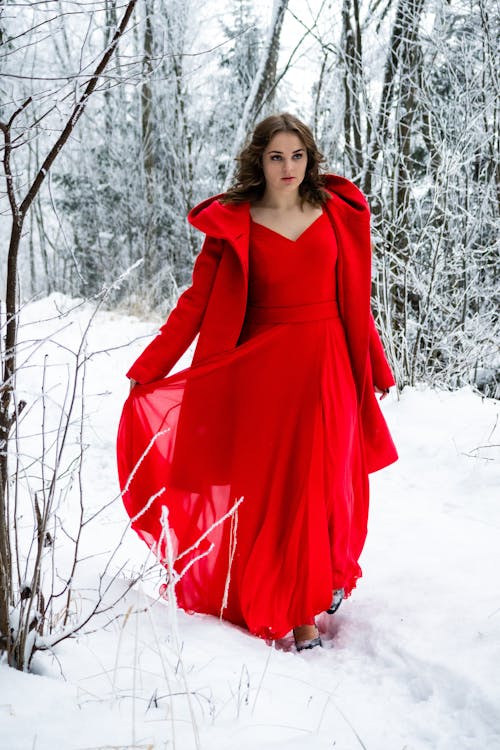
<point x="250" y="468"/>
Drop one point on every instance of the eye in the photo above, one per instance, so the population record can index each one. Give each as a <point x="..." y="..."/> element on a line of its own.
<point x="275" y="157"/>
<point x="298" y="156"/>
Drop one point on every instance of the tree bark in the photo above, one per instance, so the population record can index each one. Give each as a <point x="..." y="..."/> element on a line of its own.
<point x="263" y="81"/>
<point x="147" y="143"/>
<point x="352" y="77"/>
<point x="404" y="34"/>
<point x="19" y="212"/>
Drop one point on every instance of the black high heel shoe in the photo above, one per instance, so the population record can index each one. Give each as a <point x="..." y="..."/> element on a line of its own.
<point x="338" y="596"/>
<point x="302" y="645"/>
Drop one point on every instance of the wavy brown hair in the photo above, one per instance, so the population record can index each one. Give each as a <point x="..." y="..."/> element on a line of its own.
<point x="249" y="182"/>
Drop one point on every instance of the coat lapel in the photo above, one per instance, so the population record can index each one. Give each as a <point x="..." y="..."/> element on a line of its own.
<point x="229" y="222"/>
<point x="352" y="233"/>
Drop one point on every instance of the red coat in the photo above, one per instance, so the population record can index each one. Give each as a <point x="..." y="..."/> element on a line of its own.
<point x="215" y="303"/>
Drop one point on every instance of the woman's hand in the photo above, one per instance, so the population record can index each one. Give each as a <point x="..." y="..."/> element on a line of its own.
<point x="132" y="383"/>
<point x="383" y="391"/>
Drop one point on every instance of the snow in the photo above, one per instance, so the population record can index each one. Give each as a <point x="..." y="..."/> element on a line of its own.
<point x="409" y="661"/>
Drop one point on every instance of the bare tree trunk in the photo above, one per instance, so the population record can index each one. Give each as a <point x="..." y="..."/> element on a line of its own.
<point x="403" y="132"/>
<point x="352" y="79"/>
<point x="111" y="23"/>
<point x="147" y="141"/>
<point x="43" y="240"/>
<point x="19" y="211"/>
<point x="404" y="35"/>
<point x="181" y="116"/>
<point x="318" y="91"/>
<point x="264" y="79"/>
<point x="490" y="55"/>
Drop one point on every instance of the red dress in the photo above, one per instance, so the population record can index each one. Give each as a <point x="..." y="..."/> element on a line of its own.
<point x="276" y="423"/>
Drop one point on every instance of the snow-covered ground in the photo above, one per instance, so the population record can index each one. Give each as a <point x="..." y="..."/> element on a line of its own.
<point x="410" y="660"/>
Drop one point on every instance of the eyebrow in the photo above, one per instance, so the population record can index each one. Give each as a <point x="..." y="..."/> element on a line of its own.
<point x="275" y="151"/>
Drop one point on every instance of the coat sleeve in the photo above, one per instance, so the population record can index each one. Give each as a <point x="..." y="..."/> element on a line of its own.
<point x="382" y="374"/>
<point x="184" y="321"/>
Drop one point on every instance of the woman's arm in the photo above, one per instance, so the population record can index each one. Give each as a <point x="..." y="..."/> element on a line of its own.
<point x="184" y="321"/>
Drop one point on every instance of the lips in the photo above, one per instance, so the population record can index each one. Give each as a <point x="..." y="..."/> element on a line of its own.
<point x="287" y="179"/>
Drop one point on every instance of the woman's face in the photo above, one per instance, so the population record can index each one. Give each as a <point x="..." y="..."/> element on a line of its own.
<point x="284" y="162"/>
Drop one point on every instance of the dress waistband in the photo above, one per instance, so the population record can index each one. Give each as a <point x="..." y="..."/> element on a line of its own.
<point x="292" y="313"/>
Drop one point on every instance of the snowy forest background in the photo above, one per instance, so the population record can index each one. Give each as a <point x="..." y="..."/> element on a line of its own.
<point x="115" y="119"/>
<point x="402" y="98"/>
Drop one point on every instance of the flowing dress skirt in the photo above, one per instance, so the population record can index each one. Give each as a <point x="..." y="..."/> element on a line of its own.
<point x="250" y="463"/>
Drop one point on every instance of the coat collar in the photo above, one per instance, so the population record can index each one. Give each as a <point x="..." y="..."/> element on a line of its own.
<point x="232" y="221"/>
<point x="215" y="219"/>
